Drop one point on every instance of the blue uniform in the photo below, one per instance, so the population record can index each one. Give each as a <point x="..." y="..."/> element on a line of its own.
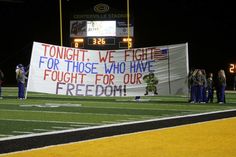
<point x="21" y="77"/>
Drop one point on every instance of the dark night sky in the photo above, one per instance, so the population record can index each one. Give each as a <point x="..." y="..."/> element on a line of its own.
<point x="208" y="27"/>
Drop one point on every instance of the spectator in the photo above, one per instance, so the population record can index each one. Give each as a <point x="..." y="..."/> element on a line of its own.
<point x="193" y="86"/>
<point x="210" y="88"/>
<point x="221" y="86"/>
<point x="204" y="89"/>
<point x="20" y="78"/>
<point x="1" y="80"/>
<point x="190" y="84"/>
<point x="200" y="80"/>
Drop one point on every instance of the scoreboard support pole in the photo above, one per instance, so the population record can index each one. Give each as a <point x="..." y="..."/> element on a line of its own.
<point x="128" y="24"/>
<point x="60" y="23"/>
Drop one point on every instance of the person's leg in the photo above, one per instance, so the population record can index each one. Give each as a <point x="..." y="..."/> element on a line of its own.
<point x="212" y="95"/>
<point x="218" y="94"/>
<point x="201" y="94"/>
<point x="19" y="89"/>
<point x="222" y="94"/>
<point x="204" y="96"/>
<point x="22" y="90"/>
<point x="209" y="95"/>
<point x="193" y="94"/>
<point x="0" y="90"/>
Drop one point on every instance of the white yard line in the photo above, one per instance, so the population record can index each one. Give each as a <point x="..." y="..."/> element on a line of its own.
<point x="108" y="107"/>
<point x="130" y="108"/>
<point x="6" y="135"/>
<point x="42" y="121"/>
<point x="123" y="120"/>
<point x="79" y="125"/>
<point x="71" y="113"/>
<point x="61" y="127"/>
<point x="23" y="132"/>
<point x="43" y="130"/>
<point x="51" y="105"/>
<point x="108" y="122"/>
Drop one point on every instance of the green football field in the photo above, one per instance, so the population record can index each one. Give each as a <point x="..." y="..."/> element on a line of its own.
<point x="46" y="113"/>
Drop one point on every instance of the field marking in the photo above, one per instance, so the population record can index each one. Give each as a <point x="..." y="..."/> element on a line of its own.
<point x="156" y="109"/>
<point x="61" y="127"/>
<point x="123" y="120"/>
<point x="131" y="108"/>
<point x="108" y="122"/>
<point x="6" y="135"/>
<point x="52" y="105"/>
<point x="42" y="130"/>
<point x="41" y="121"/>
<point x="23" y="132"/>
<point x="75" y="113"/>
<point x="79" y="125"/>
<point x="138" y="100"/>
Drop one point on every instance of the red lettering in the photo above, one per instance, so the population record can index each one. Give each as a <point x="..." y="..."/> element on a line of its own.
<point x="45" y="48"/>
<point x="46" y="74"/>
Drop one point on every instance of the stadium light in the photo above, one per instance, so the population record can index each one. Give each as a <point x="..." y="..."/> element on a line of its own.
<point x="79" y="40"/>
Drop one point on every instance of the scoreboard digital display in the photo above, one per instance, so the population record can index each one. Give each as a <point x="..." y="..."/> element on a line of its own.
<point x="232" y="68"/>
<point x="101" y="41"/>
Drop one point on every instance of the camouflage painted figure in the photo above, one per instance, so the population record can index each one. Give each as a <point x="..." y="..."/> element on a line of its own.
<point x="151" y="81"/>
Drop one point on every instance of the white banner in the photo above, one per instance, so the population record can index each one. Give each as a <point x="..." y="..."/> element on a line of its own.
<point x="133" y="72"/>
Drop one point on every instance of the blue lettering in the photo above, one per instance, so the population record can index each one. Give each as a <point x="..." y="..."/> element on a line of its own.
<point x="41" y="60"/>
<point x="140" y="66"/>
<point x="115" y="68"/>
<point x="81" y="67"/>
<point x="150" y="65"/>
<point x="68" y="65"/>
<point x="52" y="63"/>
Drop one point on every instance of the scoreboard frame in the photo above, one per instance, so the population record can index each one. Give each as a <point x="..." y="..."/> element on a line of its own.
<point x="102" y="42"/>
<point x="80" y="27"/>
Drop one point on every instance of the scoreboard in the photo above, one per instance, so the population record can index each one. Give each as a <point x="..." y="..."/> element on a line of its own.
<point x="100" y="35"/>
<point x="101" y="29"/>
<point x="102" y="43"/>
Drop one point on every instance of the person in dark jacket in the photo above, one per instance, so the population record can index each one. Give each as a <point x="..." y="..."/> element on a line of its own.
<point x="221" y="86"/>
<point x="210" y="88"/>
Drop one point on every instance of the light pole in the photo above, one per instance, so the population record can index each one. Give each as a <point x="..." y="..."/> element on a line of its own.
<point x="60" y="23"/>
<point x="128" y="24"/>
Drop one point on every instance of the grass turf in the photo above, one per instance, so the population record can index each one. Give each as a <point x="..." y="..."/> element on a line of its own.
<point x="46" y="112"/>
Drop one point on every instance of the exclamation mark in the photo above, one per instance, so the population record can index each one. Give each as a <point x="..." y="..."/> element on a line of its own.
<point x="124" y="90"/>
